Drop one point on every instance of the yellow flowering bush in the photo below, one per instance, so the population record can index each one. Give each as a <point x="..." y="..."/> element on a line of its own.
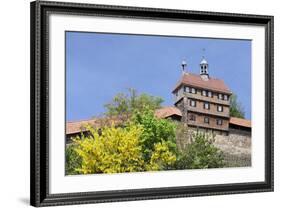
<point x="161" y="157"/>
<point x="117" y="150"/>
<point x="114" y="150"/>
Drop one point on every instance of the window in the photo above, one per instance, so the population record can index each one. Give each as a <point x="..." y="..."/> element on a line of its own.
<point x="176" y="93"/>
<point x="193" y="90"/>
<point x="220" y="108"/>
<point x="186" y="89"/>
<point x="206" y="105"/>
<point x="219" y="122"/>
<point x="225" y="97"/>
<point x="192" y="117"/>
<point x="210" y="94"/>
<point x="192" y="103"/>
<point x="206" y="120"/>
<point x="204" y="93"/>
<point x="220" y="96"/>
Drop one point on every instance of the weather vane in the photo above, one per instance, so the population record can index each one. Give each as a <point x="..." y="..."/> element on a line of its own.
<point x="183" y="64"/>
<point x="203" y="51"/>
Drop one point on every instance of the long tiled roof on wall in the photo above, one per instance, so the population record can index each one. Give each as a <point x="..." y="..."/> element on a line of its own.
<point x="165" y="112"/>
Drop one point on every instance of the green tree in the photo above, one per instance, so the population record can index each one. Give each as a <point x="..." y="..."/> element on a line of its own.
<point x="73" y="160"/>
<point x="127" y="103"/>
<point x="161" y="158"/>
<point x="199" y="154"/>
<point x="155" y="131"/>
<point x="236" y="109"/>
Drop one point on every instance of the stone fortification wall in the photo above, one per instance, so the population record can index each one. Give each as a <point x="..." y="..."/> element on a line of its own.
<point x="236" y="147"/>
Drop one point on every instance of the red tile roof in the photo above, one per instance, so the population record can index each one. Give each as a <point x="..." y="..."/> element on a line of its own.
<point x="240" y="122"/>
<point x="78" y="126"/>
<point x="167" y="111"/>
<point x="195" y="80"/>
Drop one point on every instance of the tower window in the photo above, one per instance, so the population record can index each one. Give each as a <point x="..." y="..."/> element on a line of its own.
<point x="210" y="94"/>
<point x="186" y="89"/>
<point x="206" y="105"/>
<point x="192" y="117"/>
<point x="193" y="90"/>
<point x="192" y="103"/>
<point x="206" y="120"/>
<point x="204" y="93"/>
<point x="219" y="122"/>
<point x="225" y="97"/>
<point x="220" y="108"/>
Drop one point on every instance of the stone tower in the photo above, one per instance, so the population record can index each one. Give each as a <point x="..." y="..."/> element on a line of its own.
<point x="203" y="100"/>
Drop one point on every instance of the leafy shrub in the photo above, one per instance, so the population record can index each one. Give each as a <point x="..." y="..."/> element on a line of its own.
<point x="199" y="154"/>
<point x="73" y="160"/>
<point x="236" y="108"/>
<point x="162" y="158"/>
<point x="155" y="131"/>
<point x="115" y="150"/>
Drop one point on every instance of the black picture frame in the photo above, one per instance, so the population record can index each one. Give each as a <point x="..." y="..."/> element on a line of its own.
<point x="39" y="145"/>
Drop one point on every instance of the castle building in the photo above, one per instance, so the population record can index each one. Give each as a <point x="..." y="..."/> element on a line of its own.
<point x="203" y="101"/>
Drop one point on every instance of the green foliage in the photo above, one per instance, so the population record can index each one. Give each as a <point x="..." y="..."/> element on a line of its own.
<point x="123" y="104"/>
<point x="73" y="160"/>
<point x="116" y="150"/>
<point x="199" y="154"/>
<point x="143" y="143"/>
<point x="162" y="158"/>
<point x="155" y="131"/>
<point x="236" y="109"/>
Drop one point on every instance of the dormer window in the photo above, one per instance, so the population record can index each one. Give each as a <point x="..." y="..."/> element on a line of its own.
<point x="204" y="92"/>
<point x="225" y="97"/>
<point x="186" y="89"/>
<point x="193" y="90"/>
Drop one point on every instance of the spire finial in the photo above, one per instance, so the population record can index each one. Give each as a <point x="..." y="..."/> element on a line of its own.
<point x="203" y="52"/>
<point x="183" y="65"/>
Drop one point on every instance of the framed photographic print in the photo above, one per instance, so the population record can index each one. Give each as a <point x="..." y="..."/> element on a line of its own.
<point x="131" y="103"/>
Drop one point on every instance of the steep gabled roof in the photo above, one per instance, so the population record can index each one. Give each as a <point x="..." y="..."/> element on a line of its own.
<point x="195" y="80"/>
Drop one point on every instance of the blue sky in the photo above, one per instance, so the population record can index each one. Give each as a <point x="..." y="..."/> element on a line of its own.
<point x="98" y="66"/>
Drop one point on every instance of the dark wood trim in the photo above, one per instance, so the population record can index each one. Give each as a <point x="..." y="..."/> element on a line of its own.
<point x="39" y="145"/>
